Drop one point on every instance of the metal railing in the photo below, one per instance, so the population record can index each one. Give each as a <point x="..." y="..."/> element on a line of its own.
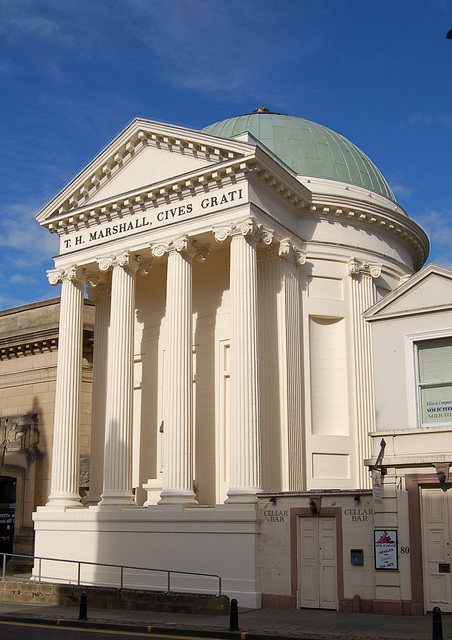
<point x="169" y="572"/>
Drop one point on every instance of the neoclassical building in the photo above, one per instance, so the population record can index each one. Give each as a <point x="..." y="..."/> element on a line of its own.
<point x="232" y="389"/>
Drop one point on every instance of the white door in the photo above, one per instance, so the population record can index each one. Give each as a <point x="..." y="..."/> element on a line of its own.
<point x="436" y="533"/>
<point x="317" y="581"/>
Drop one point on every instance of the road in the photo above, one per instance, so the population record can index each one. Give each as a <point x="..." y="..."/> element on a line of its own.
<point x="20" y="631"/>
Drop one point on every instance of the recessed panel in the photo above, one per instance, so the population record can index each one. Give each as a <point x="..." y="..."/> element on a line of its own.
<point x="331" y="466"/>
<point x="325" y="288"/>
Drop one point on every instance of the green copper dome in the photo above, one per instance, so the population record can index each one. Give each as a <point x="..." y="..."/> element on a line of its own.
<point x="308" y="148"/>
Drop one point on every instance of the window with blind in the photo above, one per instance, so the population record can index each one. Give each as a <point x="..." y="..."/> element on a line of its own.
<point x="435" y="382"/>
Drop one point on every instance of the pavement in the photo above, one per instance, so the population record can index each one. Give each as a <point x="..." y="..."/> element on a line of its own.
<point x="261" y="624"/>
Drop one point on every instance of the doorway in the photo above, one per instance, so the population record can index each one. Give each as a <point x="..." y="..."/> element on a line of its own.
<point x="436" y="513"/>
<point x="7" y="513"/>
<point x="317" y="563"/>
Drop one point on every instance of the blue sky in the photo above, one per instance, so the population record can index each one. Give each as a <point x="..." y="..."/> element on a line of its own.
<point x="74" y="73"/>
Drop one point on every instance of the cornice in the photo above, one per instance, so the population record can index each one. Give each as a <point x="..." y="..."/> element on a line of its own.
<point x="39" y="342"/>
<point x="403" y="313"/>
<point x="353" y="210"/>
<point x="388" y="220"/>
<point x="28" y="345"/>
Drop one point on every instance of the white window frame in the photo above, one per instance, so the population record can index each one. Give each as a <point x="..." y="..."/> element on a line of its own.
<point x="412" y="376"/>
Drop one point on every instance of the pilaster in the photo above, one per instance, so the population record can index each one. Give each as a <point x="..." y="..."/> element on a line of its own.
<point x="364" y="295"/>
<point x="290" y="366"/>
<point x="280" y="351"/>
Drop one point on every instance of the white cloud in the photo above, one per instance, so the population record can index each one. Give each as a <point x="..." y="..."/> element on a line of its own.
<point x="400" y="190"/>
<point x="19" y="230"/>
<point x="438" y="226"/>
<point x="20" y="278"/>
<point x="26" y="251"/>
<point x="214" y="46"/>
<point x="34" y="25"/>
<point x="423" y="119"/>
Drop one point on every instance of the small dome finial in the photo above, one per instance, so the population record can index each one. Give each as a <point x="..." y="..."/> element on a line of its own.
<point x="261" y="110"/>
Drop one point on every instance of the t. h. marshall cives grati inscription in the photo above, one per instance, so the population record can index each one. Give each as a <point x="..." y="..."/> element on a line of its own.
<point x="160" y="217"/>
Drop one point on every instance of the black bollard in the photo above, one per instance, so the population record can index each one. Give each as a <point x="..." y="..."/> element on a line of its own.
<point x="234" y="616"/>
<point x="437" y="624"/>
<point x="83" y="606"/>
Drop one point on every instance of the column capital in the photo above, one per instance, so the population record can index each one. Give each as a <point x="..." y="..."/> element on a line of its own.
<point x="289" y="251"/>
<point x="95" y="291"/>
<point x="126" y="259"/>
<point x="56" y="276"/>
<point x="248" y="227"/>
<point x="181" y="245"/>
<point x="360" y="267"/>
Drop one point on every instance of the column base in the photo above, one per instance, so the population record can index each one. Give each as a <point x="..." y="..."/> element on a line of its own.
<point x="243" y="496"/>
<point x="184" y="498"/>
<point x="119" y="499"/>
<point x="64" y="501"/>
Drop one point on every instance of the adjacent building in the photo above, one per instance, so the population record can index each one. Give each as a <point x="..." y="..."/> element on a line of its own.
<point x="412" y="340"/>
<point x="28" y="363"/>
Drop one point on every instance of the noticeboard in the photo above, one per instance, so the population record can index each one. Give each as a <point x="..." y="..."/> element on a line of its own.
<point x="385" y="545"/>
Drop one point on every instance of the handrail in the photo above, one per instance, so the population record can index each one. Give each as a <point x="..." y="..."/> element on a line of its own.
<point x="169" y="572"/>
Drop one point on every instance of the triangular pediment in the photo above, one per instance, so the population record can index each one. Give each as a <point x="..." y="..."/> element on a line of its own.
<point x="148" y="167"/>
<point x="144" y="154"/>
<point x="428" y="290"/>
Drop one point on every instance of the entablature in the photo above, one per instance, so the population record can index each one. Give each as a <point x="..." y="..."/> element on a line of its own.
<point x="177" y="189"/>
<point x="388" y="220"/>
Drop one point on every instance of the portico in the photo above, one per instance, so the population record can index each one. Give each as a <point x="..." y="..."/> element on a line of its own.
<point x="111" y="283"/>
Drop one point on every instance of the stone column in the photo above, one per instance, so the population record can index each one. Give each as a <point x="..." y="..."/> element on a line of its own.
<point x="364" y="295"/>
<point x="100" y="293"/>
<point x="117" y="488"/>
<point x="245" y="439"/>
<point x="65" y="450"/>
<point x="177" y="485"/>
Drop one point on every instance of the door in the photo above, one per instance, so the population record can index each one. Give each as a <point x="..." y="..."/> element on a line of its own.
<point x="7" y="513"/>
<point x="436" y="507"/>
<point x="317" y="576"/>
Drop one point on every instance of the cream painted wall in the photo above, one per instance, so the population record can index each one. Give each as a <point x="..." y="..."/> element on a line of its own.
<point x="280" y="553"/>
<point x="328" y="429"/>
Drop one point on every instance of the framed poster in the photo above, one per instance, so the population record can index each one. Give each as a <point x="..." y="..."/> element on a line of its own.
<point x="385" y="546"/>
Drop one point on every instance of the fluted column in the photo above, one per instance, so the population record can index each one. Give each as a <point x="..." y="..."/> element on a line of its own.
<point x="364" y="295"/>
<point x="245" y="443"/>
<point x="117" y="486"/>
<point x="99" y="292"/>
<point x="177" y="482"/>
<point x="65" y="450"/>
